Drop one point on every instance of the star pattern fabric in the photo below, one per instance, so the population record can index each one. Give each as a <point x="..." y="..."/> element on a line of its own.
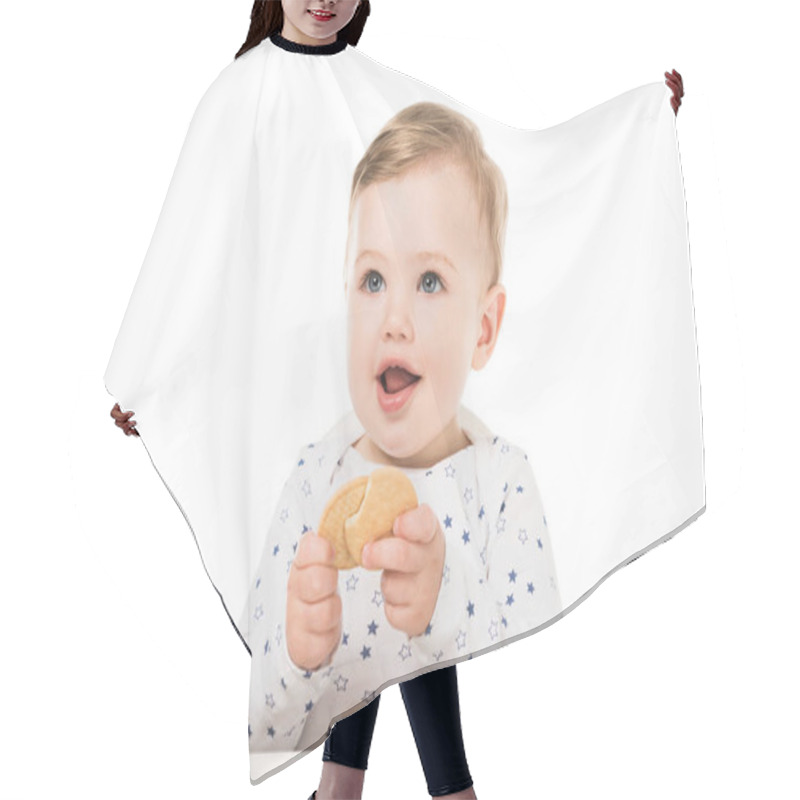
<point x="496" y="584"/>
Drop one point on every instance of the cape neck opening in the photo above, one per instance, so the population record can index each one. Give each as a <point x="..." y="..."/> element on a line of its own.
<point x="308" y="49"/>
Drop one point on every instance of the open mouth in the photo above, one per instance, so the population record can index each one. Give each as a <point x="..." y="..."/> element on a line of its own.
<point x="395" y="379"/>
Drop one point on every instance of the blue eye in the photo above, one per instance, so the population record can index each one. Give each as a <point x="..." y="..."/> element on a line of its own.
<point x="372" y="281"/>
<point x="429" y="282"/>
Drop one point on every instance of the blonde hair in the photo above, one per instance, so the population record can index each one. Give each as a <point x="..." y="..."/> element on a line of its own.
<point x="422" y="132"/>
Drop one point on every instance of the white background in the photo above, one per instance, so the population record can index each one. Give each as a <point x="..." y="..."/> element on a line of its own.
<point x="121" y="675"/>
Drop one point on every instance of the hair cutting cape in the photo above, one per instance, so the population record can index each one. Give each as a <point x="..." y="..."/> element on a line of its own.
<point x="583" y="443"/>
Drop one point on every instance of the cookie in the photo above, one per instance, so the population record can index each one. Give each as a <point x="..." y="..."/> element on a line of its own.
<point x="389" y="494"/>
<point x="344" y="503"/>
<point x="364" y="510"/>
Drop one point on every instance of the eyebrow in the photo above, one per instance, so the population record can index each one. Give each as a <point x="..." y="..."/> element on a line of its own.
<point x="369" y="254"/>
<point x="437" y="258"/>
<point x="426" y="256"/>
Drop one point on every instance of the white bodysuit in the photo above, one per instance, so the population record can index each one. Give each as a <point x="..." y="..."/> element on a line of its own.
<point x="499" y="581"/>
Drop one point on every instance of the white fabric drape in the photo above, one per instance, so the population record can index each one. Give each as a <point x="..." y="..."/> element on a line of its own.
<point x="233" y="352"/>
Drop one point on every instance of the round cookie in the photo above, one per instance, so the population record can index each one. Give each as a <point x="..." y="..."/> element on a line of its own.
<point x="343" y="504"/>
<point x="389" y="493"/>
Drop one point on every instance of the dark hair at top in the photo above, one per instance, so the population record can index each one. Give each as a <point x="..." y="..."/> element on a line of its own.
<point x="266" y="18"/>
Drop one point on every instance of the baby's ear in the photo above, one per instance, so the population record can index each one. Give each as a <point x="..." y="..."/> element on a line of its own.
<point x="492" y="309"/>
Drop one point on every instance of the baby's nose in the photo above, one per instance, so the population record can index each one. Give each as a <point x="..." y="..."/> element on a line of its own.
<point x="398" y="322"/>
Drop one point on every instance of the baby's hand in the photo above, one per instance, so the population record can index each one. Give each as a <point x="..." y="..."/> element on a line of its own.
<point x="313" y="605"/>
<point x="412" y="562"/>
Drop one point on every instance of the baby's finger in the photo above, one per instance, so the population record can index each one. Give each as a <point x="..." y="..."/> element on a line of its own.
<point x="393" y="553"/>
<point x="404" y="618"/>
<point x="313" y="549"/>
<point x="399" y="588"/>
<point x="321" y="618"/>
<point x="314" y="582"/>
<point x="418" y="525"/>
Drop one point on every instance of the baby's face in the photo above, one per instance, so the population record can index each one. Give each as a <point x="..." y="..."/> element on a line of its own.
<point x="417" y="277"/>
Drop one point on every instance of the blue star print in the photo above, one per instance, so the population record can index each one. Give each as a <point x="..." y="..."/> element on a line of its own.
<point x="471" y="491"/>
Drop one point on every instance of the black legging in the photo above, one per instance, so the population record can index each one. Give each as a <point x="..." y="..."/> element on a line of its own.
<point x="431" y="702"/>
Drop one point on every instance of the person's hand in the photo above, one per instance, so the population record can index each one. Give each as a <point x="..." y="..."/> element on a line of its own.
<point x="412" y="562"/>
<point x="124" y="421"/>
<point x="313" y="605"/>
<point x="675" y="82"/>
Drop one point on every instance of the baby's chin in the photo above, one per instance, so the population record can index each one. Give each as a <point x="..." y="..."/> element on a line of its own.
<point x="397" y="447"/>
<point x="389" y="450"/>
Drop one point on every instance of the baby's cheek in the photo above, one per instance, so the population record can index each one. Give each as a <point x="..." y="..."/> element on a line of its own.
<point x="452" y="356"/>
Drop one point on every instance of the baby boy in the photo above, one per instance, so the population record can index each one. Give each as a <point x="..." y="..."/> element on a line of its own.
<point x="471" y="566"/>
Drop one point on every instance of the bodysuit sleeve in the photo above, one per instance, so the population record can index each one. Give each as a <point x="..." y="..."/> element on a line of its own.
<point x="281" y="694"/>
<point x="499" y="577"/>
<point x="520" y="568"/>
